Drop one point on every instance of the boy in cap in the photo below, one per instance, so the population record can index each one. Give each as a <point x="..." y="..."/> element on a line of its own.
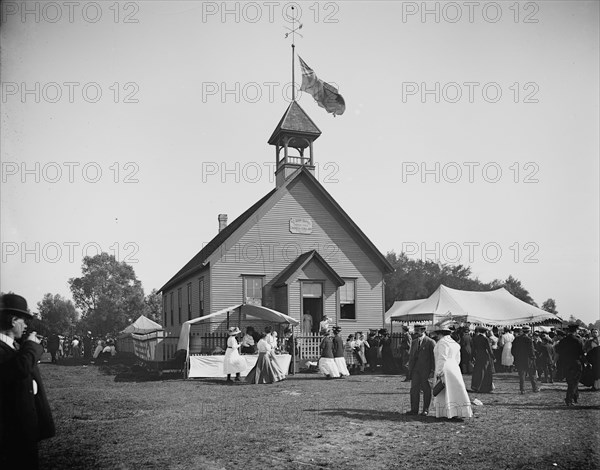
<point x="25" y="416"/>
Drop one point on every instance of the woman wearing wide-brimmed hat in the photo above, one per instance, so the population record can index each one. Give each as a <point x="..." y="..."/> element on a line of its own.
<point x="453" y="401"/>
<point x="234" y="363"/>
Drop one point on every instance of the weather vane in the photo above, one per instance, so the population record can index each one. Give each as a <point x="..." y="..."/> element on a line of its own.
<point x="293" y="31"/>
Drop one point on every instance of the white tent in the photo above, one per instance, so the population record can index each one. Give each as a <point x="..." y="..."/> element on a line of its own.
<point x="400" y="307"/>
<point x="233" y="313"/>
<point x="498" y="307"/>
<point x="143" y="325"/>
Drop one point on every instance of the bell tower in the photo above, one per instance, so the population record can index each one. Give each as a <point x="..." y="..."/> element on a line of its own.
<point x="292" y="137"/>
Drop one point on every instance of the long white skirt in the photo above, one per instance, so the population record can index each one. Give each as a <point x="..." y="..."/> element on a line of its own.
<point x="327" y="366"/>
<point x="454" y="400"/>
<point x="233" y="362"/>
<point x="340" y="362"/>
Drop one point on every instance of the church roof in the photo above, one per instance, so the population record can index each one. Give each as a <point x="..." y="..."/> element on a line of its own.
<point x="198" y="262"/>
<point x="295" y="121"/>
<point x="282" y="278"/>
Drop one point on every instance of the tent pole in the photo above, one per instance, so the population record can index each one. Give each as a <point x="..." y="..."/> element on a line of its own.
<point x="293" y="352"/>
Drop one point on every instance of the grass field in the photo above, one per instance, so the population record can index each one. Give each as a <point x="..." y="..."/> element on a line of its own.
<point x="112" y="418"/>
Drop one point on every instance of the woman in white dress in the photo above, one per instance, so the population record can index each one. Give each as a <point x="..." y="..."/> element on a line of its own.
<point x="507" y="339"/>
<point x="233" y="363"/>
<point x="453" y="401"/>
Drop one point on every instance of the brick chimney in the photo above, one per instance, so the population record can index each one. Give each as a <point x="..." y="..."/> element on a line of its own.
<point x="222" y="221"/>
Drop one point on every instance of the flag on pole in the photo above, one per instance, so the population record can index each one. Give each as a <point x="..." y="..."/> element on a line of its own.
<point x="325" y="95"/>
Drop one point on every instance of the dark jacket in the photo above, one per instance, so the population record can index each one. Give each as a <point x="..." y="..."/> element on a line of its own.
<point x="23" y="415"/>
<point x="421" y="358"/>
<point x="338" y="346"/>
<point x="523" y="352"/>
<point x="570" y="350"/>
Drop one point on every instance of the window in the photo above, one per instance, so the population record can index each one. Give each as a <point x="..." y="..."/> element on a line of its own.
<point x="253" y="290"/>
<point x="165" y="309"/>
<point x="347" y="300"/>
<point x="201" y="296"/>
<point x="179" y="305"/>
<point x="171" y="308"/>
<point x="189" y="292"/>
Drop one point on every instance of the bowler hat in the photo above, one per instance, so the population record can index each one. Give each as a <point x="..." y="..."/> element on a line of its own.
<point x="14" y="304"/>
<point x="419" y="327"/>
<point x="526" y="328"/>
<point x="572" y="327"/>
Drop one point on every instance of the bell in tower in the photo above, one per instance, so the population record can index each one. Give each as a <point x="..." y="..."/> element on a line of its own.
<point x="294" y="134"/>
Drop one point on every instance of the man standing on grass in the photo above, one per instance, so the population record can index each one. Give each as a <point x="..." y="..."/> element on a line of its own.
<point x="421" y="366"/>
<point x="571" y="356"/>
<point x="524" y="354"/>
<point x="25" y="416"/>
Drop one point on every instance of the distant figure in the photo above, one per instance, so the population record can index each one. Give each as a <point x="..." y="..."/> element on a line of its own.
<point x="571" y="355"/>
<point x="506" y="341"/>
<point x="327" y="365"/>
<point x="53" y="345"/>
<point x="338" y="352"/>
<point x="405" y="342"/>
<point x="263" y="371"/>
<point x="248" y="345"/>
<point x="75" y="349"/>
<point x="466" y="347"/>
<point x="233" y="362"/>
<point x="87" y="346"/>
<point x="483" y="370"/>
<point x="325" y="325"/>
<point x="524" y="354"/>
<point x="307" y="322"/>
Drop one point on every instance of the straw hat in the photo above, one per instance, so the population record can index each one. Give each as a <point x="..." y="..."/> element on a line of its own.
<point x="234" y="330"/>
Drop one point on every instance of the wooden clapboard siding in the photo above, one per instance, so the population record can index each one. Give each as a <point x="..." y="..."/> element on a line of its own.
<point x="262" y="244"/>
<point x="268" y="230"/>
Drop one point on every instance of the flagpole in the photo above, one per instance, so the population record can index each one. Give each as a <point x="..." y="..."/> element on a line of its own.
<point x="293" y="79"/>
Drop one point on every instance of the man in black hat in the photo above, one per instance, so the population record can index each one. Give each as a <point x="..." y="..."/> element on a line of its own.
<point x="421" y="366"/>
<point x="570" y="350"/>
<point x="387" y="355"/>
<point x="524" y="354"/>
<point x="25" y="416"/>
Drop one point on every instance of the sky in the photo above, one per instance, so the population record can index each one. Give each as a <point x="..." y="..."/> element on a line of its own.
<point x="470" y="133"/>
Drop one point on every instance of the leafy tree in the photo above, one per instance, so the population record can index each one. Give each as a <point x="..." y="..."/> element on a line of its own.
<point x="153" y="302"/>
<point x="515" y="287"/>
<point x="549" y="306"/>
<point x="57" y="313"/>
<point x="108" y="293"/>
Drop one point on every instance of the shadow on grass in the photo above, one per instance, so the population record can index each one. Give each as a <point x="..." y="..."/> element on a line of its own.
<point x="555" y="406"/>
<point x="374" y="415"/>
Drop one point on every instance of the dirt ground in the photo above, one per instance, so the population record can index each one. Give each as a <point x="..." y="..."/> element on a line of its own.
<point x="116" y="417"/>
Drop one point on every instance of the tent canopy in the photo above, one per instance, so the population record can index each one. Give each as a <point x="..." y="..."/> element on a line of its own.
<point x="495" y="308"/>
<point x="401" y="307"/>
<point x="249" y="311"/>
<point x="143" y="325"/>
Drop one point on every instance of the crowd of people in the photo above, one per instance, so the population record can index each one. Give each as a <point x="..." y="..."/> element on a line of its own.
<point x="453" y="351"/>
<point x="84" y="347"/>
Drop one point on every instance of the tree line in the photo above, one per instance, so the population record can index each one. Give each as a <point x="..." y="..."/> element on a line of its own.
<point x="110" y="297"/>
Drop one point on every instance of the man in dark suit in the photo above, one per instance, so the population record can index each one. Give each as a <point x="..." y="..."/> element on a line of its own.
<point x="570" y="350"/>
<point x="405" y="343"/>
<point x="421" y="366"/>
<point x="524" y="354"/>
<point x="25" y="416"/>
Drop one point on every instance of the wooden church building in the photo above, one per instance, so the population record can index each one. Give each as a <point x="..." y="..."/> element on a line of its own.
<point x="295" y="251"/>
